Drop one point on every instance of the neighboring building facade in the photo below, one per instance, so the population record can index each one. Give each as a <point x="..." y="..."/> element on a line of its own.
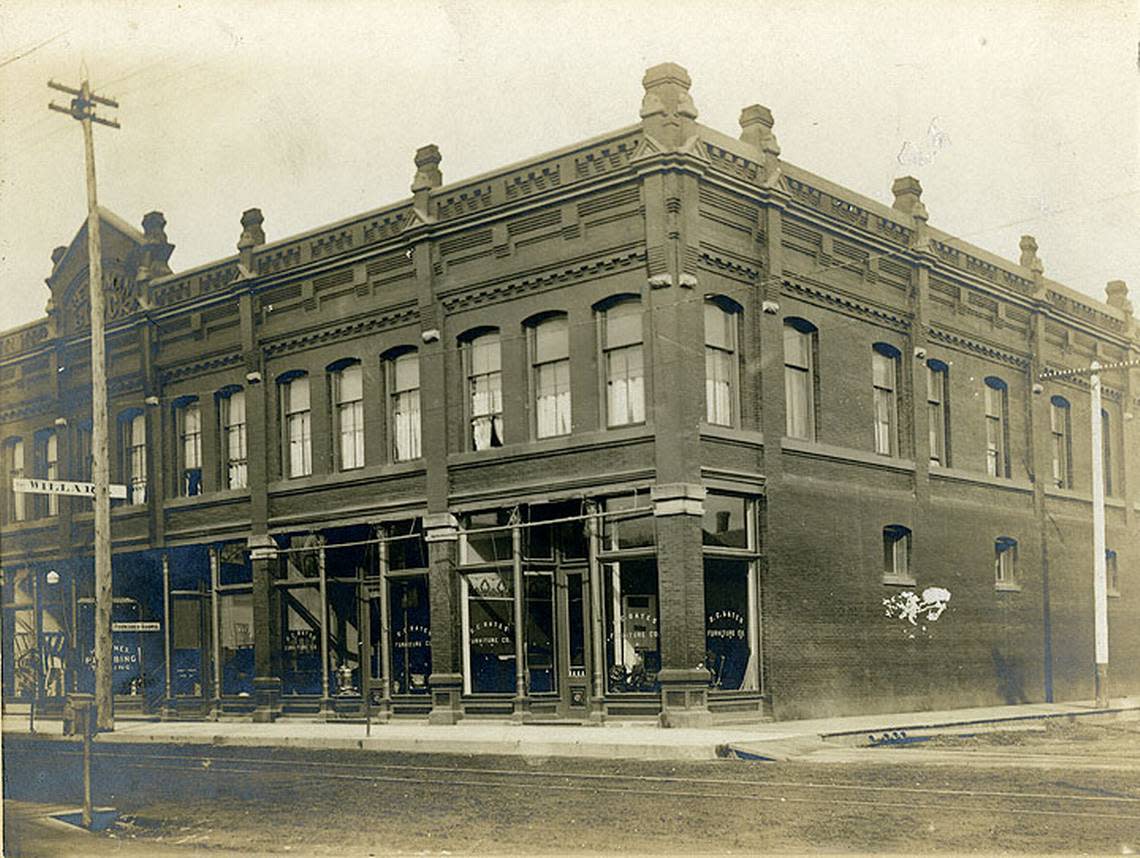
<point x="652" y="426"/>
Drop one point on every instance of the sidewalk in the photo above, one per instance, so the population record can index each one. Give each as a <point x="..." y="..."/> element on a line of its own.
<point x="762" y="741"/>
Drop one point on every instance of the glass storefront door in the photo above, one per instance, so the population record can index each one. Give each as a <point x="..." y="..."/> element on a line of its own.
<point x="189" y="644"/>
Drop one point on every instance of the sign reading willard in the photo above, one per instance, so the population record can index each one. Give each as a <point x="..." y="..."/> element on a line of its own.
<point x="63" y="487"/>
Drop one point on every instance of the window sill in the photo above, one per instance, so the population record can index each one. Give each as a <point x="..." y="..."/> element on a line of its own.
<point x="285" y="485"/>
<point x="1007" y="588"/>
<point x="222" y="496"/>
<point x="892" y="581"/>
<point x="957" y="475"/>
<point x="745" y="437"/>
<point x="816" y="450"/>
<point x="557" y="444"/>
<point x="1081" y="497"/>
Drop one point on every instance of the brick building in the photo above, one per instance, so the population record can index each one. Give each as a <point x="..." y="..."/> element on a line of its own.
<point x="652" y="425"/>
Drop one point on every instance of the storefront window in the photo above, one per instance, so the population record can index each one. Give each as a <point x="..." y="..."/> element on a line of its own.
<point x="235" y="619"/>
<point x="628" y="523"/>
<point x="633" y="647"/>
<point x="490" y="632"/>
<point x="21" y="656"/>
<point x="299" y="599"/>
<point x="486" y="538"/>
<point x="411" y="634"/>
<point x="725" y="523"/>
<point x="406" y="546"/>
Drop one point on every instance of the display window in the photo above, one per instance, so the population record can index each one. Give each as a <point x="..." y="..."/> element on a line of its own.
<point x="410" y="625"/>
<point x="489" y="628"/>
<point x="633" y="642"/>
<point x="235" y="620"/>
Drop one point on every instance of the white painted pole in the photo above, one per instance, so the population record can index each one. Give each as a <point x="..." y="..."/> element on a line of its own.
<point x="1100" y="594"/>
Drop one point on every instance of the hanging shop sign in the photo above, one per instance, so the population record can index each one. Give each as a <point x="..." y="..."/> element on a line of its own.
<point x="63" y="487"/>
<point x="147" y="626"/>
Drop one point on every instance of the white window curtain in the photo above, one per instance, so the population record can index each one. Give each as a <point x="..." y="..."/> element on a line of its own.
<point x="350" y="416"/>
<point x="297" y="426"/>
<point x="233" y="426"/>
<point x="406" y="407"/>
<point x="485" y="382"/>
<point x="552" y="377"/>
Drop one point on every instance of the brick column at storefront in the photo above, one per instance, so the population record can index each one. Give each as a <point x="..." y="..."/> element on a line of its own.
<point x="441" y="531"/>
<point x="266" y="679"/>
<point x="678" y="509"/>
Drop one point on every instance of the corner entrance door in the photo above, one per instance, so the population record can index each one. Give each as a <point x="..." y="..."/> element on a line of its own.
<point x="557" y="655"/>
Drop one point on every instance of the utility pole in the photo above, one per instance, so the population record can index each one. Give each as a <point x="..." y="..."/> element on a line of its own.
<point x="1100" y="585"/>
<point x="83" y="108"/>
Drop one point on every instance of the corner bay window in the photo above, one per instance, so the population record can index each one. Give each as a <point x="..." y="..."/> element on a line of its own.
<point x="623" y="361"/>
<point x="720" y="361"/>
<point x="799" y="378"/>
<point x="231" y="410"/>
<point x="348" y="398"/>
<point x="551" y="376"/>
<point x="404" y="405"/>
<point x="188" y="420"/>
<point x="485" y="390"/>
<point x="296" y="440"/>
<point x="884" y="381"/>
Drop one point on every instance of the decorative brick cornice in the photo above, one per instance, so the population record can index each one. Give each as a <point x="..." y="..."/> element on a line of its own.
<point x="351" y="328"/>
<point x="718" y="261"/>
<point x="200" y="367"/>
<point x="27" y="409"/>
<point x="510" y="288"/>
<point x="816" y="294"/>
<point x="970" y="344"/>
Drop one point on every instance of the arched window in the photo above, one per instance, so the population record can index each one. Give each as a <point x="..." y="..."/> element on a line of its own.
<point x="1060" y="428"/>
<point x="403" y="373"/>
<point x="47" y="466"/>
<point x="485" y="388"/>
<point x="132" y="432"/>
<point x="997" y="427"/>
<point x="938" y="411"/>
<point x="801" y="381"/>
<point x="1005" y="562"/>
<point x="14" y="465"/>
<point x="296" y="439"/>
<point x="896" y="553"/>
<point x="721" y="362"/>
<point x="624" y="361"/>
<point x="188" y="423"/>
<point x="884" y="383"/>
<point x="347" y="380"/>
<point x="550" y="374"/>
<point x="231" y="415"/>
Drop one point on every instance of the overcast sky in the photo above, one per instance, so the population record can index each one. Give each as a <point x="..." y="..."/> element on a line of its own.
<point x="1018" y="117"/>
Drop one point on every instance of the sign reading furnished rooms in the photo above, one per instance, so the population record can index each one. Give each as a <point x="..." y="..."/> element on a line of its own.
<point x="63" y="487"/>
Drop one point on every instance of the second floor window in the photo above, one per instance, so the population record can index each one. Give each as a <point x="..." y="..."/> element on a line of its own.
<point x="297" y="439"/>
<point x="1060" y="427"/>
<point x="231" y="408"/>
<point x="720" y="363"/>
<point x="884" y="380"/>
<point x="799" y="379"/>
<point x="624" y="363"/>
<point x="551" y="375"/>
<point x="17" y="501"/>
<point x="404" y="383"/>
<point x="997" y="429"/>
<point x="134" y="456"/>
<point x="485" y="386"/>
<point x="189" y="419"/>
<point x="348" y="394"/>
<point x="47" y="464"/>
<point x="938" y="411"/>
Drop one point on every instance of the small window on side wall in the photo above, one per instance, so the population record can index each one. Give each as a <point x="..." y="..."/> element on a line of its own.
<point x="896" y="554"/>
<point x="1005" y="563"/>
<point x="884" y="381"/>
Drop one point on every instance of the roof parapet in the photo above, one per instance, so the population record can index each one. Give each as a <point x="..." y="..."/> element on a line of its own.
<point x="1117" y="292"/>
<point x="756" y="123"/>
<point x="1029" y="258"/>
<point x="252" y="235"/>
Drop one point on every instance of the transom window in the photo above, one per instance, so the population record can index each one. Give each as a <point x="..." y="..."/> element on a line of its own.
<point x="800" y="381"/>
<point x="720" y="361"/>
<point x="624" y="363"/>
<point x="348" y="394"/>
<point x="551" y="376"/>
<point x="404" y="405"/>
<point x="485" y="386"/>
<point x="884" y="380"/>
